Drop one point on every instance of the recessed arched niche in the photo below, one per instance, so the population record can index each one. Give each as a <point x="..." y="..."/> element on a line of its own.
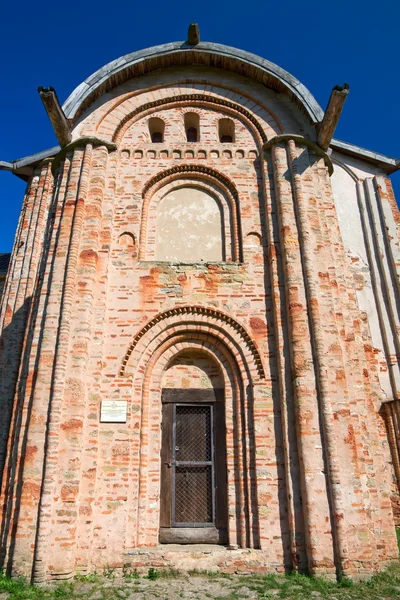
<point x="192" y="127"/>
<point x="189" y="227"/>
<point x="226" y="131"/>
<point x="253" y="240"/>
<point x="252" y="248"/>
<point x="190" y="216"/>
<point x="156" y="130"/>
<point x="127" y="242"/>
<point x="127" y="239"/>
<point x="192" y="369"/>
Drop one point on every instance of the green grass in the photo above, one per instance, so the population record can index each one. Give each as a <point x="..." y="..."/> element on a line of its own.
<point x="19" y="589"/>
<point x="153" y="574"/>
<point x="210" y="574"/>
<point x="385" y="586"/>
<point x="166" y="574"/>
<point x="91" y="578"/>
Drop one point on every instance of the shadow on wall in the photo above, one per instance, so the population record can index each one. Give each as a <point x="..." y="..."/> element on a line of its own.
<point x="12" y="419"/>
<point x="15" y="420"/>
<point x="20" y="352"/>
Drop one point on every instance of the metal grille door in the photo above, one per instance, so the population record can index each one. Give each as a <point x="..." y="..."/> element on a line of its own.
<point x="193" y="466"/>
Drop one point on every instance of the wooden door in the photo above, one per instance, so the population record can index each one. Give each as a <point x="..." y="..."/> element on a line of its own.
<point x="193" y="469"/>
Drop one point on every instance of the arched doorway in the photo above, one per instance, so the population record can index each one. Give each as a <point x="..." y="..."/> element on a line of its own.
<point x="228" y="345"/>
<point x="193" y="498"/>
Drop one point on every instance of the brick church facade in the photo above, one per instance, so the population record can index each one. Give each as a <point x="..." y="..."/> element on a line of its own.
<point x="199" y="329"/>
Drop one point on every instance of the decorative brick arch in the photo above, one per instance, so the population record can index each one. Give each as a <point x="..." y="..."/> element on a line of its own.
<point x="243" y="522"/>
<point x="196" y="173"/>
<point x="227" y="208"/>
<point x="197" y="318"/>
<point x="206" y="171"/>
<point x="127" y="103"/>
<point x="193" y="100"/>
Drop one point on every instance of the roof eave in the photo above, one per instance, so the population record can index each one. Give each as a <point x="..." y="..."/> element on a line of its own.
<point x="388" y="164"/>
<point x="119" y="70"/>
<point x="24" y="167"/>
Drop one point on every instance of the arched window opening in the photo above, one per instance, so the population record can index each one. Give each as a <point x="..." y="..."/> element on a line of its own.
<point x="156" y="130"/>
<point x="191" y="134"/>
<point x="192" y="127"/>
<point x="226" y="130"/>
<point x="157" y="137"/>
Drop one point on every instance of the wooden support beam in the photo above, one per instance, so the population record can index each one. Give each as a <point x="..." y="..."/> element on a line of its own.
<point x="327" y="127"/>
<point x="56" y="115"/>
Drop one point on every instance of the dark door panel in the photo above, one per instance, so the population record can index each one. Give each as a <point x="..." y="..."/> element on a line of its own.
<point x="193" y="477"/>
<point x="193" y="467"/>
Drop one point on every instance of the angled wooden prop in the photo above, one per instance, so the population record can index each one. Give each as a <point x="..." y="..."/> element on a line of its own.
<point x="327" y="127"/>
<point x="56" y="115"/>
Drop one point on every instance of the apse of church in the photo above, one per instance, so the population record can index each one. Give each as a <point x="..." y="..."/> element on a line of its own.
<point x="199" y="351"/>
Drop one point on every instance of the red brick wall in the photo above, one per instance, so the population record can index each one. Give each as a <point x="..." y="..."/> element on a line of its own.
<point x="308" y="478"/>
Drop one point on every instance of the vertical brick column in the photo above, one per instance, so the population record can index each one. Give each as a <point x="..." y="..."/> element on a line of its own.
<point x="329" y="389"/>
<point x="315" y="498"/>
<point x="19" y="290"/>
<point x="282" y="386"/>
<point x="80" y="414"/>
<point x="19" y="535"/>
<point x="57" y="522"/>
<point x="48" y="394"/>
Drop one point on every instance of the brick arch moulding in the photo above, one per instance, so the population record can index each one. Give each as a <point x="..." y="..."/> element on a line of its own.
<point x="161" y="350"/>
<point x="233" y="109"/>
<point x="192" y="317"/>
<point x="200" y="174"/>
<point x="179" y="53"/>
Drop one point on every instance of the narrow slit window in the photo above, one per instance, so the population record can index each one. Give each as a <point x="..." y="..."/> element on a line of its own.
<point x="157" y="137"/>
<point x="191" y="134"/>
<point x="226" y="130"/>
<point x="156" y="130"/>
<point x="192" y="127"/>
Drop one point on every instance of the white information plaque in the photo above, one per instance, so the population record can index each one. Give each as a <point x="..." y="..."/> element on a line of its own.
<point x="113" y="411"/>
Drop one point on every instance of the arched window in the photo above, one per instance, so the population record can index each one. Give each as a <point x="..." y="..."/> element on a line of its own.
<point x="191" y="134"/>
<point x="192" y="127"/>
<point x="156" y="130"/>
<point x="226" y="130"/>
<point x="157" y="137"/>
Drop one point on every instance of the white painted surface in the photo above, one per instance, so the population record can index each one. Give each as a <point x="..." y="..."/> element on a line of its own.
<point x="361" y="230"/>
<point x="188" y="227"/>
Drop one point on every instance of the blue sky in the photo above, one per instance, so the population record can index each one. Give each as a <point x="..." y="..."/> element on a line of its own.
<point x="322" y="44"/>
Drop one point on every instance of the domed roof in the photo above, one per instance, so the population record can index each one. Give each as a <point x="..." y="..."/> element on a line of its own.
<point x="203" y="53"/>
<point x="181" y="53"/>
